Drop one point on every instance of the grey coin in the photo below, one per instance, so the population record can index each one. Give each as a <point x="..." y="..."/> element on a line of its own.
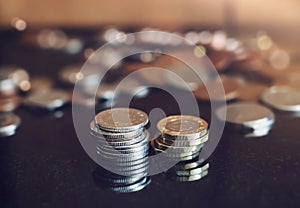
<point x="121" y="119"/>
<point x="7" y="85"/>
<point x="103" y="92"/>
<point x="47" y="99"/>
<point x="133" y="188"/>
<point x="282" y="98"/>
<point x="98" y="132"/>
<point x="176" y="149"/>
<point x="247" y="114"/>
<point x="183" y="142"/>
<point x="17" y="75"/>
<point x="194" y="171"/>
<point x="190" y="178"/>
<point x="8" y="124"/>
<point x="90" y="77"/>
<point x="143" y="160"/>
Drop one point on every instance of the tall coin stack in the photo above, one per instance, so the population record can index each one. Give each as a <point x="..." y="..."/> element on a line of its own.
<point x="122" y="147"/>
<point x="182" y="138"/>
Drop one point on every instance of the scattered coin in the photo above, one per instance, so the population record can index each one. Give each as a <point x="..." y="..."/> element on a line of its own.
<point x="8" y="124"/>
<point x="248" y="116"/>
<point x="231" y="87"/>
<point x="47" y="99"/>
<point x="282" y="98"/>
<point x="8" y="104"/>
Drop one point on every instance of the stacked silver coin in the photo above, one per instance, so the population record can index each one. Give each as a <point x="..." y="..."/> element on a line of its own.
<point x="182" y="138"/>
<point x="122" y="147"/>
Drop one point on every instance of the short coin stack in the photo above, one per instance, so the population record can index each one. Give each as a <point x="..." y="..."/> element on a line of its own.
<point x="122" y="147"/>
<point x="182" y="138"/>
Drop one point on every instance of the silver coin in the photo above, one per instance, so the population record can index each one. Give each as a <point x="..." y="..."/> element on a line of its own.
<point x="194" y="171"/>
<point x="17" y="75"/>
<point x="98" y="132"/>
<point x="47" y="99"/>
<point x="183" y="142"/>
<point x="134" y="187"/>
<point x="8" y="124"/>
<point x="121" y="119"/>
<point x="103" y="92"/>
<point x="122" y="142"/>
<point x="282" y="98"/>
<point x="90" y="77"/>
<point x="176" y="149"/>
<point x="108" y="161"/>
<point x="190" y="178"/>
<point x="247" y="114"/>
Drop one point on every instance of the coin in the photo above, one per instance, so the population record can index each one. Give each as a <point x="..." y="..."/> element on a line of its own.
<point x="192" y="171"/>
<point x="8" y="104"/>
<point x="247" y="114"/>
<point x="282" y="98"/>
<point x="121" y="119"/>
<point x="231" y="87"/>
<point x="8" y="124"/>
<point x="17" y="75"/>
<point x="182" y="125"/>
<point x="47" y="99"/>
<point x="190" y="178"/>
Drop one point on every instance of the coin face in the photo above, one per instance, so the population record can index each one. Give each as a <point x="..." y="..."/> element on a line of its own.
<point x="179" y="125"/>
<point x="247" y="114"/>
<point x="121" y="119"/>
<point x="282" y="98"/>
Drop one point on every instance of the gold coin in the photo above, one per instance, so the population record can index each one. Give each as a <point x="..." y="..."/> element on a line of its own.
<point x="182" y="125"/>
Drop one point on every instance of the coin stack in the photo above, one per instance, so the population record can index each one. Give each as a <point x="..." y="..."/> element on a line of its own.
<point x="122" y="148"/>
<point x="182" y="138"/>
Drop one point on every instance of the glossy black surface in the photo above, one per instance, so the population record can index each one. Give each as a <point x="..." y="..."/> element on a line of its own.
<point x="44" y="165"/>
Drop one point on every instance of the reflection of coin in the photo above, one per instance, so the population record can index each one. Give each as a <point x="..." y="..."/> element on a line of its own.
<point x="231" y="89"/>
<point x="121" y="119"/>
<point x="282" y="98"/>
<point x="180" y="125"/>
<point x="9" y="103"/>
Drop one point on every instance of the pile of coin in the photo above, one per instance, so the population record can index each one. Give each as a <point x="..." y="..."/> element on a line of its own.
<point x="122" y="148"/>
<point x="251" y="119"/>
<point x="182" y="138"/>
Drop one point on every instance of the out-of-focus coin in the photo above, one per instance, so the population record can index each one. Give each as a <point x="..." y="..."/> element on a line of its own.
<point x="8" y="124"/>
<point x="89" y="77"/>
<point x="133" y="87"/>
<point x="8" y="104"/>
<point x="182" y="125"/>
<point x="7" y="85"/>
<point x="231" y="87"/>
<point x="247" y="114"/>
<point x="41" y="83"/>
<point x="47" y="99"/>
<point x="251" y="92"/>
<point x="282" y="98"/>
<point x="17" y="75"/>
<point x="191" y="177"/>
<point x="121" y="119"/>
<point x="192" y="171"/>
